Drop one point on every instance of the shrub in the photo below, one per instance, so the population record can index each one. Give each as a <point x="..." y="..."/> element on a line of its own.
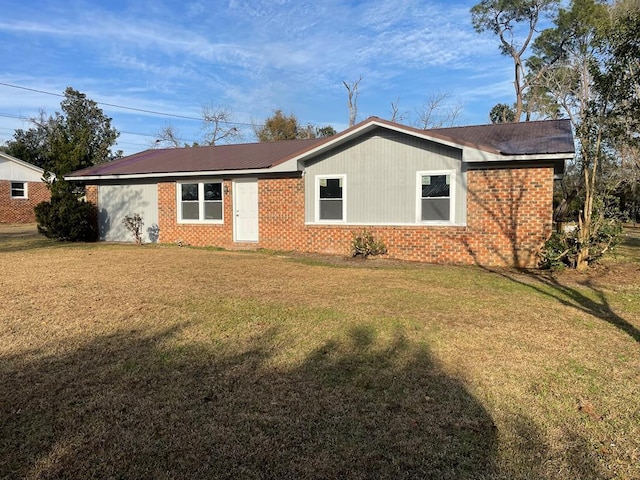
<point x="66" y="217"/>
<point x="561" y="250"/>
<point x="365" y="245"/>
<point x="134" y="224"/>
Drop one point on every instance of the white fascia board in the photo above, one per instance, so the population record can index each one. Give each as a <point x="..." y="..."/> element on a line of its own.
<point x="290" y="165"/>
<point x="424" y="136"/>
<point x="210" y="173"/>
<point x="472" y="155"/>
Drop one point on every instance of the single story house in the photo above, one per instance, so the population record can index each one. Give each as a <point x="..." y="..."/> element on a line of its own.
<point x="21" y="189"/>
<point x="476" y="194"/>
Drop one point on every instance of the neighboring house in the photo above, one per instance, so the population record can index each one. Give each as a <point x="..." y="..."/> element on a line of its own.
<point x="478" y="194"/>
<point x="21" y="189"/>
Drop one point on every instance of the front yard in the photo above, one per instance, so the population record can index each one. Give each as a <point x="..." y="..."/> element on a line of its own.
<point x="162" y="362"/>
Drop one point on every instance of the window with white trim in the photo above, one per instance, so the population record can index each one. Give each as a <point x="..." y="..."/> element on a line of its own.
<point x="436" y="193"/>
<point x="18" y="189"/>
<point x="200" y="202"/>
<point x="330" y="198"/>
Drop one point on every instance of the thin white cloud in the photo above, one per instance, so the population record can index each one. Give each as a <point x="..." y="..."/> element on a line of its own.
<point x="252" y="55"/>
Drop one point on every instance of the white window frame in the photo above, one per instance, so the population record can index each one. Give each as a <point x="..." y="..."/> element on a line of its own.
<point x="452" y="197"/>
<point x="342" y="177"/>
<point x="25" y="193"/>
<point x="201" y="201"/>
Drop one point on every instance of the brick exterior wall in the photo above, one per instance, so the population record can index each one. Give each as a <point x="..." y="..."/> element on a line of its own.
<point x="20" y="210"/>
<point x="91" y="194"/>
<point x="509" y="216"/>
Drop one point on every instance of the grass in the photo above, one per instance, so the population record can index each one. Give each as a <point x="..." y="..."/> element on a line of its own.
<point x="164" y="362"/>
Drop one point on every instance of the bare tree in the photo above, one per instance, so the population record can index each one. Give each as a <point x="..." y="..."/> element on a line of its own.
<point x="435" y="113"/>
<point x="396" y="114"/>
<point x="352" y="93"/>
<point x="167" y="137"/>
<point x="218" y="125"/>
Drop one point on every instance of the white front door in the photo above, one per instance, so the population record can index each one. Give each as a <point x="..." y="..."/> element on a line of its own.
<point x="245" y="210"/>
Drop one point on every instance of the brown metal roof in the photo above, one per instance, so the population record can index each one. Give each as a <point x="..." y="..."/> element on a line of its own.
<point x="526" y="138"/>
<point x="247" y="156"/>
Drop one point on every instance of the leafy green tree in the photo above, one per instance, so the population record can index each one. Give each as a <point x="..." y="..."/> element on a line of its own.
<point x="589" y="62"/>
<point x="327" y="131"/>
<point x="32" y="145"/>
<point x="560" y="67"/>
<point x="279" y="127"/>
<point x="286" y="127"/>
<point x="624" y="75"/>
<point x="502" y="113"/>
<point x="514" y="22"/>
<point x="82" y="135"/>
<point x="618" y="80"/>
<point x="79" y="137"/>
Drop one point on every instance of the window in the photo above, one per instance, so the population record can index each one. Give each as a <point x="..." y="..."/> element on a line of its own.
<point x="18" y="189"/>
<point x="200" y="202"/>
<point x="435" y="196"/>
<point x="331" y="198"/>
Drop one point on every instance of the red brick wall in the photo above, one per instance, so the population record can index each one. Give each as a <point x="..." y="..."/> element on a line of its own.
<point x="509" y="215"/>
<point x="218" y="235"/>
<point x="19" y="210"/>
<point x="91" y="194"/>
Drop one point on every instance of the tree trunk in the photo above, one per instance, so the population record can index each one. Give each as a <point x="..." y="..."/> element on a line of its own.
<point x="586" y="227"/>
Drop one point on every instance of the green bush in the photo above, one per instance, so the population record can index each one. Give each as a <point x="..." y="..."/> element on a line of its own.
<point x="561" y="250"/>
<point x="66" y="217"/>
<point x="365" y="245"/>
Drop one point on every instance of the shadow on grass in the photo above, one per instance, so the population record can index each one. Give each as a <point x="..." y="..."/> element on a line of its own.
<point x="599" y="308"/>
<point x="632" y="238"/>
<point x="22" y="242"/>
<point x="548" y="285"/>
<point x="126" y="406"/>
<point x="18" y="239"/>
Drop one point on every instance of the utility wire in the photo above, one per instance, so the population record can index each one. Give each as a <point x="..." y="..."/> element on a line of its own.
<point x="22" y="117"/>
<point x="142" y="110"/>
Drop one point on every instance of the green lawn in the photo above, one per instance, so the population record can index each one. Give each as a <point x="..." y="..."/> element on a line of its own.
<point x="162" y="362"/>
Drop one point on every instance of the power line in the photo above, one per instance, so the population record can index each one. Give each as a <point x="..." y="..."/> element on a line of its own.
<point x="22" y="117"/>
<point x="142" y="110"/>
<point x="10" y="115"/>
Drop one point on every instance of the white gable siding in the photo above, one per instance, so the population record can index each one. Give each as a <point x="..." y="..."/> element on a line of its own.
<point x="380" y="170"/>
<point x="115" y="202"/>
<point x="15" y="171"/>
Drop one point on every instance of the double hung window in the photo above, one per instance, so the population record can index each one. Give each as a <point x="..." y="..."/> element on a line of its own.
<point x="200" y="202"/>
<point x="436" y="196"/>
<point x="18" y="189"/>
<point x="330" y="194"/>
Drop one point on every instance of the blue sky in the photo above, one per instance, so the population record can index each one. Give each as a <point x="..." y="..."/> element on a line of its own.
<point x="249" y="56"/>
